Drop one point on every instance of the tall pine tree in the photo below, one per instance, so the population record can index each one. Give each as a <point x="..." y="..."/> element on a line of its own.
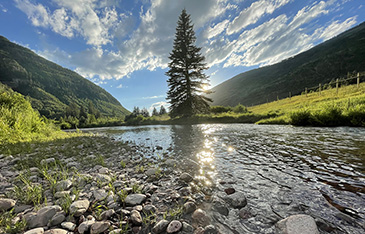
<point x="187" y="79"/>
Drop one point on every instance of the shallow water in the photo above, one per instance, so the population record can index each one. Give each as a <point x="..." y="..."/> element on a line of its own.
<point x="283" y="170"/>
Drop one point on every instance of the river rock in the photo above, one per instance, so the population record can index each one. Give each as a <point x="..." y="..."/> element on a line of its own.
<point x="99" y="227"/>
<point x="69" y="226"/>
<point x="136" y="217"/>
<point x="303" y="224"/>
<point x="174" y="226"/>
<point x="43" y="216"/>
<point x="62" y="194"/>
<point x="220" y="206"/>
<point x="35" y="231"/>
<point x="149" y="209"/>
<point x="103" y="178"/>
<point x="189" y="207"/>
<point x="187" y="228"/>
<point x="200" y="217"/>
<point x="100" y="194"/>
<point x="237" y="200"/>
<point x="6" y="204"/>
<point x="210" y="229"/>
<point x="107" y="214"/>
<point x="135" y="199"/>
<point x="85" y="226"/>
<point x="57" y="219"/>
<point x="151" y="172"/>
<point x="229" y="191"/>
<point x="79" y="207"/>
<point x="160" y="227"/>
<point x="186" y="177"/>
<point x="56" y="231"/>
<point x="63" y="185"/>
<point x="48" y="161"/>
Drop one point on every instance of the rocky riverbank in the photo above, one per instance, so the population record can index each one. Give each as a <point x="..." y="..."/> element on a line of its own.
<point x="98" y="185"/>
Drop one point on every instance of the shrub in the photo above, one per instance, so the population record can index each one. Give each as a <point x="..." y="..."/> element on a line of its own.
<point x="301" y="118"/>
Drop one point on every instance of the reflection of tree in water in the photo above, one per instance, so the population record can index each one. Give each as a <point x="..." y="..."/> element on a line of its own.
<point x="192" y="153"/>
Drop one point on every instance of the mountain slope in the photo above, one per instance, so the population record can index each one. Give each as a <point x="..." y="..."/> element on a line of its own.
<point x="329" y="60"/>
<point x="50" y="87"/>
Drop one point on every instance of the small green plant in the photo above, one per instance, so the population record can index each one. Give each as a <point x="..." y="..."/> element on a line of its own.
<point x="136" y="188"/>
<point x="174" y="213"/>
<point x="122" y="194"/>
<point x="122" y="164"/>
<point x="65" y="203"/>
<point x="100" y="160"/>
<point x="148" y="218"/>
<point x="28" y="192"/>
<point x="9" y="225"/>
<point x="140" y="169"/>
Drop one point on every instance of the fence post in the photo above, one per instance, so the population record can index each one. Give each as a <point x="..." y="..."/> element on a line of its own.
<point x="306" y="92"/>
<point x="319" y="89"/>
<point x="336" y="86"/>
<point x="289" y="95"/>
<point x="358" y="79"/>
<point x="277" y="97"/>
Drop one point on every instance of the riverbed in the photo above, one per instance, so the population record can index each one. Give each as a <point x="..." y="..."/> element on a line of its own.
<point x="283" y="170"/>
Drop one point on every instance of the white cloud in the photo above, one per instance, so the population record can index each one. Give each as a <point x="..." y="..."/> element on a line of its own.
<point x="335" y="28"/>
<point x="74" y="17"/>
<point x="158" y="105"/>
<point x="120" y="86"/>
<point x="253" y="13"/>
<point x="154" y="97"/>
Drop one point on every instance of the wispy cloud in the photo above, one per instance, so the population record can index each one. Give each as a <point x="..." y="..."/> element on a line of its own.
<point x="154" y="97"/>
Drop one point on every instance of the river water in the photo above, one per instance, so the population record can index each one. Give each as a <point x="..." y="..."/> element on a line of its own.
<point x="283" y="170"/>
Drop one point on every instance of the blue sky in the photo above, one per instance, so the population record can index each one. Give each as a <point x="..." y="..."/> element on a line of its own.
<point x="123" y="45"/>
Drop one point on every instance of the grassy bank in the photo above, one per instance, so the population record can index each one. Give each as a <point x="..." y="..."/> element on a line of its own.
<point x="328" y="108"/>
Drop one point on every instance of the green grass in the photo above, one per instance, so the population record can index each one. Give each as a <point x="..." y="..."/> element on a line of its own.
<point x="9" y="224"/>
<point x="329" y="108"/>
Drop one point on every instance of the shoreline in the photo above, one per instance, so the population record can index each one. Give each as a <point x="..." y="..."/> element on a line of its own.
<point x="95" y="184"/>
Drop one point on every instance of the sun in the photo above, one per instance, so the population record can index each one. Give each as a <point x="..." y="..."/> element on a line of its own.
<point x="205" y="87"/>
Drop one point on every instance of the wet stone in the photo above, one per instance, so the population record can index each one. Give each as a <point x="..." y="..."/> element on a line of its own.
<point x="135" y="199"/>
<point x="294" y="224"/>
<point x="136" y="217"/>
<point x="236" y="200"/>
<point x="220" y="206"/>
<point x="189" y="207"/>
<point x="186" y="177"/>
<point x="200" y="217"/>
<point x="99" y="227"/>
<point x="79" y="207"/>
<point x="160" y="227"/>
<point x="174" y="226"/>
<point x="68" y="225"/>
<point x="35" y="231"/>
<point x="229" y="191"/>
<point x="210" y="229"/>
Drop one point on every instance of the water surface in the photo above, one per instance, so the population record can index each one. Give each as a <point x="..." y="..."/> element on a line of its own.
<point x="283" y="170"/>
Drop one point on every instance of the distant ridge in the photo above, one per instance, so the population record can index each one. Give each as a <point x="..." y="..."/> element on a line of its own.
<point x="50" y="87"/>
<point x="322" y="63"/>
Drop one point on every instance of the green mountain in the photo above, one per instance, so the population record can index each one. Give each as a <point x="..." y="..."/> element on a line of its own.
<point x="327" y="61"/>
<point x="49" y="87"/>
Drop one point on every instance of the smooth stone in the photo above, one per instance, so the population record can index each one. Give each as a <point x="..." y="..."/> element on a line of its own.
<point x="220" y="207"/>
<point x="136" y="217"/>
<point x="170" y="162"/>
<point x="136" y="230"/>
<point x="187" y="228"/>
<point x="246" y="213"/>
<point x="48" y="161"/>
<point x="56" y="231"/>
<point x="6" y="204"/>
<point x="189" y="207"/>
<point x="151" y="172"/>
<point x="69" y="226"/>
<point x="103" y="178"/>
<point x="303" y="224"/>
<point x="99" y="227"/>
<point x="237" y="200"/>
<point x="61" y="194"/>
<point x="79" y="207"/>
<point x="150" y="209"/>
<point x="160" y="227"/>
<point x="107" y="214"/>
<point x="135" y="199"/>
<point x="100" y="194"/>
<point x="63" y="185"/>
<point x="35" y="231"/>
<point x="43" y="216"/>
<point x="174" y="226"/>
<point x="57" y="219"/>
<point x="229" y="191"/>
<point x="85" y="226"/>
<point x="186" y="177"/>
<point x="200" y="217"/>
<point x="210" y="229"/>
